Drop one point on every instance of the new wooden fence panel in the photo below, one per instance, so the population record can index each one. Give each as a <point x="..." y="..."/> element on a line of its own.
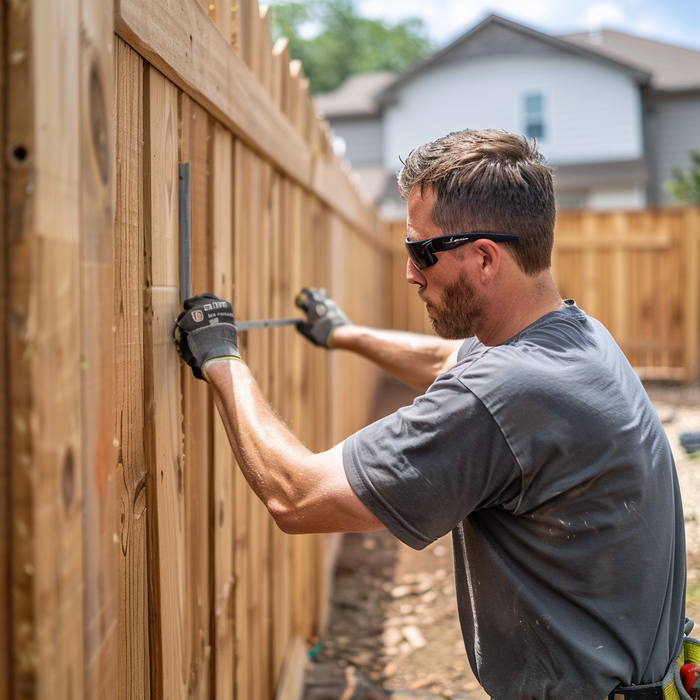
<point x="634" y="271"/>
<point x="173" y="581"/>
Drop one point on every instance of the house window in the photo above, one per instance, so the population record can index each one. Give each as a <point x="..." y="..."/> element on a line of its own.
<point x="534" y="115"/>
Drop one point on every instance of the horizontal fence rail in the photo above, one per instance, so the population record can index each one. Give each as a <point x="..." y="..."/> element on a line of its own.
<point x="136" y="561"/>
<point x="638" y="272"/>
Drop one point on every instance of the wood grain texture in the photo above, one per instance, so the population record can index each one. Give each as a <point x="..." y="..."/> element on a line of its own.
<point x="97" y="410"/>
<point x="241" y="243"/>
<point x="221" y="496"/>
<point x="55" y="367"/>
<point x="131" y="470"/>
<point x="197" y="411"/>
<point x="178" y="38"/>
<point x="165" y="489"/>
<point x="19" y="230"/>
<point x="5" y="404"/>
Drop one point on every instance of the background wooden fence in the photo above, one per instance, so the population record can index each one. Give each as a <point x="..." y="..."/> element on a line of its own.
<point x="135" y="562"/>
<point x="637" y="271"/>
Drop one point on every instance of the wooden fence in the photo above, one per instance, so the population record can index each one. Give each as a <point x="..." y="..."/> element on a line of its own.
<point x="135" y="562"/>
<point x="636" y="271"/>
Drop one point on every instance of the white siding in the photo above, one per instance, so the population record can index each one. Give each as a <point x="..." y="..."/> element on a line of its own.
<point x="363" y="139"/>
<point x="674" y="130"/>
<point x="593" y="113"/>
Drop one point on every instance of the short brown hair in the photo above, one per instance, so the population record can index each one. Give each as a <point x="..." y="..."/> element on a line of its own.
<point x="490" y="181"/>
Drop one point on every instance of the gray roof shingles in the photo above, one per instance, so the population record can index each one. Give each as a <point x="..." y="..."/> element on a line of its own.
<point x="672" y="67"/>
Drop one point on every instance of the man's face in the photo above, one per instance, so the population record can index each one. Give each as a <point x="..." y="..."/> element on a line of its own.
<point x="456" y="313"/>
<point x="450" y="296"/>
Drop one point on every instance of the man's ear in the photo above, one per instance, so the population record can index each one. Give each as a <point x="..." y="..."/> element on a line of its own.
<point x="489" y="259"/>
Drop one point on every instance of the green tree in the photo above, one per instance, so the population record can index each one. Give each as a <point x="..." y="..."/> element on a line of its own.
<point x="333" y="41"/>
<point x="684" y="186"/>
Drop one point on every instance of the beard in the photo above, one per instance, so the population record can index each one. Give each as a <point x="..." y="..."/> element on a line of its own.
<point x="457" y="313"/>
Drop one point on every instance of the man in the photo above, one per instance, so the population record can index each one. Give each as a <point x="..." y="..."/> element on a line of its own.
<point x="534" y="442"/>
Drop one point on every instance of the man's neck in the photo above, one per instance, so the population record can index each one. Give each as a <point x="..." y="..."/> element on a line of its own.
<point x="518" y="307"/>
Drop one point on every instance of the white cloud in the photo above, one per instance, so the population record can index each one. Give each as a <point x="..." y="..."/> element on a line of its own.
<point x="603" y="15"/>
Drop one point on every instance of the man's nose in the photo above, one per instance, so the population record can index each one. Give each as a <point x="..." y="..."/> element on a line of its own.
<point x="414" y="275"/>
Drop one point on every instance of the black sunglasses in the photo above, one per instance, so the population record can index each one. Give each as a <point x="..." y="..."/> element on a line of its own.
<point x="423" y="253"/>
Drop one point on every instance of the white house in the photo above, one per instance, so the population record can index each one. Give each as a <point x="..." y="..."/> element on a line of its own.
<point x="612" y="112"/>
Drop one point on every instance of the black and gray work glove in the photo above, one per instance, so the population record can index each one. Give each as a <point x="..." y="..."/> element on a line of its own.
<point x="323" y="316"/>
<point x="206" y="331"/>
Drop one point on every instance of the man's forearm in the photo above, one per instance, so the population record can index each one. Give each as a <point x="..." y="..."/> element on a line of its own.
<point x="415" y="359"/>
<point x="304" y="492"/>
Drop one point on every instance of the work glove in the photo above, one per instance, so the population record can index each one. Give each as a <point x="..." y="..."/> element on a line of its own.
<point x="206" y="331"/>
<point x="323" y="316"/>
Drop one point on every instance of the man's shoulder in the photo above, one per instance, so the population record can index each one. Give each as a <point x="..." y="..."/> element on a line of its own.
<point x="565" y="352"/>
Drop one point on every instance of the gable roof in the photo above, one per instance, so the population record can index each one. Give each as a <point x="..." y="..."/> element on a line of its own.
<point x="672" y="67"/>
<point x="355" y="97"/>
<point x="496" y="35"/>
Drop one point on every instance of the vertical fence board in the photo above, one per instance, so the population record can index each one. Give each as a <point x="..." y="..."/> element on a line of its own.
<point x="241" y="488"/>
<point x="56" y="469"/>
<point x="5" y="408"/>
<point x="132" y="562"/>
<point x="222" y="526"/>
<point x="165" y="489"/>
<point x="197" y="408"/>
<point x="97" y="429"/>
<point x="692" y="293"/>
<point x="19" y="134"/>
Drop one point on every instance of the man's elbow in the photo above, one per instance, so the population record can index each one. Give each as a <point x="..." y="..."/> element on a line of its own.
<point x="289" y="518"/>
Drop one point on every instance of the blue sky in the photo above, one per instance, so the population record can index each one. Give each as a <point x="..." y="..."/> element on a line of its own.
<point x="672" y="21"/>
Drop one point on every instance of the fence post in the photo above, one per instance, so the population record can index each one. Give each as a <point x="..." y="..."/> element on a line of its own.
<point x="691" y="242"/>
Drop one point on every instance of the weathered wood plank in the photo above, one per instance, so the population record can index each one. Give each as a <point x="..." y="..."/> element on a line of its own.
<point x="222" y="498"/>
<point x="132" y="560"/>
<point x="178" y="38"/>
<point x="165" y="499"/>
<point x="97" y="414"/>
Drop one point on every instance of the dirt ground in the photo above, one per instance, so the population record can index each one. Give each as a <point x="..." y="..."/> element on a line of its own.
<point x="394" y="616"/>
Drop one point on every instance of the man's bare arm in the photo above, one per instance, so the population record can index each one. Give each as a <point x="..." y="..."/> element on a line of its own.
<point x="304" y="492"/>
<point x="416" y="359"/>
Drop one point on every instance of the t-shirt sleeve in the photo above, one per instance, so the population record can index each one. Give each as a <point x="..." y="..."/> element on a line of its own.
<point x="423" y="469"/>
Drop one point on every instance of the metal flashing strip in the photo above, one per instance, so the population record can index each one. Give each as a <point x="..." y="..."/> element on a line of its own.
<point x="185" y="224"/>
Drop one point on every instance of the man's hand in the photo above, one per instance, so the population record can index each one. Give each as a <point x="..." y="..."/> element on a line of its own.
<point x="323" y="316"/>
<point x="206" y="331"/>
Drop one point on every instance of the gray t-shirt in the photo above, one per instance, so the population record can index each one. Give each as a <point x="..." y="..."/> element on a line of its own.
<point x="547" y="461"/>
